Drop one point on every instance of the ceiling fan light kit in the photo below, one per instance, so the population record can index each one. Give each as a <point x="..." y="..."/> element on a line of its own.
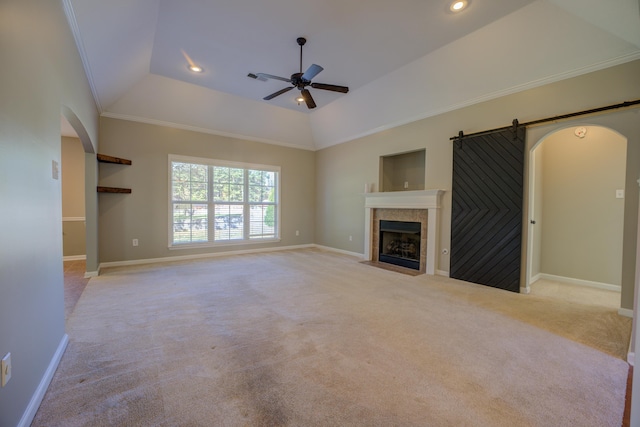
<point x="300" y="81"/>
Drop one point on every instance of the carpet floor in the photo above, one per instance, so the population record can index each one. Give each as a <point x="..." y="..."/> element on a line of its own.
<point x="74" y="284"/>
<point x="314" y="338"/>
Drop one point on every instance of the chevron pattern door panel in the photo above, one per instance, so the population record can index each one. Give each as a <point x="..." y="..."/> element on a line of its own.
<point x="486" y="222"/>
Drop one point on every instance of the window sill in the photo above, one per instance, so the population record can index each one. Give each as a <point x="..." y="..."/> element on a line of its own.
<point x="223" y="244"/>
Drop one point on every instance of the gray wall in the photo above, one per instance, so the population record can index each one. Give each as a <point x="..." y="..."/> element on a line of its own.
<point x="536" y="213"/>
<point x="42" y="76"/>
<point x="41" y="73"/>
<point x="73" y="200"/>
<point x="342" y="169"/>
<point x="627" y="123"/>
<point x="401" y="169"/>
<point x="143" y="214"/>
<point x="581" y="217"/>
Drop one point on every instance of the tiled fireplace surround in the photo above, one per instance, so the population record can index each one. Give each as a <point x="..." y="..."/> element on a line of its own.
<point x="415" y="206"/>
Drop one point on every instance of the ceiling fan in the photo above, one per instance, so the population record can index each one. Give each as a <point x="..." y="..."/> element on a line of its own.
<point x="300" y="81"/>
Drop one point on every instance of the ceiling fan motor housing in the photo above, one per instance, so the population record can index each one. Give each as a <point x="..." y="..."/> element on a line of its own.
<point x="298" y="81"/>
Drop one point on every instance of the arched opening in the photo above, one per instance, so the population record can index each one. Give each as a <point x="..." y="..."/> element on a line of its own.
<point x="73" y="194"/>
<point x="576" y="209"/>
<point x="79" y="205"/>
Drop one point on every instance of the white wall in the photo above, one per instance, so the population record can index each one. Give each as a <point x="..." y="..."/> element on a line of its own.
<point x="41" y="73"/>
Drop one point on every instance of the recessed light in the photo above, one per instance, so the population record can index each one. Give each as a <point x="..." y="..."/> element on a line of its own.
<point x="457" y="6"/>
<point x="194" y="68"/>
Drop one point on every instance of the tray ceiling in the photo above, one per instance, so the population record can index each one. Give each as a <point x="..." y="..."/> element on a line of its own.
<point x="402" y="60"/>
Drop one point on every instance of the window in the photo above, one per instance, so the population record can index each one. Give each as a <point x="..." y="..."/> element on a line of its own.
<point x="218" y="202"/>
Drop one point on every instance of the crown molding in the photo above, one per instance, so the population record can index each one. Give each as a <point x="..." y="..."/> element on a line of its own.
<point x="75" y="30"/>
<point x="173" y="125"/>
<point x="491" y="96"/>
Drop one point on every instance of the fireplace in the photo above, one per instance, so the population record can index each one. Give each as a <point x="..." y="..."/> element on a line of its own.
<point x="404" y="206"/>
<point x="400" y="243"/>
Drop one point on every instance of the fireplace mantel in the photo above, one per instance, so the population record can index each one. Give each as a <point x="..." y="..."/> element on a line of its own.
<point x="423" y="199"/>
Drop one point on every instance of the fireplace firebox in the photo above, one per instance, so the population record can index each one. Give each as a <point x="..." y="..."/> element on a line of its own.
<point x="400" y="243"/>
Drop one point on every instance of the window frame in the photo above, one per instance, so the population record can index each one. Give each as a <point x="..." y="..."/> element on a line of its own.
<point x="211" y="242"/>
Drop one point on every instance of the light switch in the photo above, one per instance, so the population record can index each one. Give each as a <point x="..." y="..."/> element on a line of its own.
<point x="619" y="194"/>
<point x="55" y="171"/>
<point x="5" y="369"/>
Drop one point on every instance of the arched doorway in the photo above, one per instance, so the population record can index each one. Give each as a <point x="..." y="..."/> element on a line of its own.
<point x="79" y="218"/>
<point x="576" y="207"/>
<point x="68" y="117"/>
<point x="72" y="160"/>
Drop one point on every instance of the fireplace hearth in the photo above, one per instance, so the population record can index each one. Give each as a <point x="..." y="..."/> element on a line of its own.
<point x="400" y="243"/>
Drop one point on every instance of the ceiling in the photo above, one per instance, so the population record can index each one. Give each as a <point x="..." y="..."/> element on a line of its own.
<point x="402" y="60"/>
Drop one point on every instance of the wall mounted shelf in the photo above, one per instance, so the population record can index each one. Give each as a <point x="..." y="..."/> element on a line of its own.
<point x="113" y="190"/>
<point x="110" y="159"/>
<point x="103" y="158"/>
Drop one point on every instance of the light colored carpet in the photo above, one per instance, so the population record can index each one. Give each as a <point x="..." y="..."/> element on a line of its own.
<point x="74" y="284"/>
<point x="313" y="338"/>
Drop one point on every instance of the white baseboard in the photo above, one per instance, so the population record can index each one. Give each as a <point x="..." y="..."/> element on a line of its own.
<point x="631" y="357"/>
<point x="199" y="256"/>
<point x="37" y="397"/>
<point x="340" y="251"/>
<point x="442" y="273"/>
<point x="90" y="274"/>
<point x="625" y="312"/>
<point x="525" y="290"/>
<point x="534" y="279"/>
<point x="73" y="219"/>
<point x="74" y="258"/>
<point x="580" y="282"/>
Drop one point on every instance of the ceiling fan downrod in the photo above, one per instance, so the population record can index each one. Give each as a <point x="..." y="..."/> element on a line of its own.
<point x="301" y="41"/>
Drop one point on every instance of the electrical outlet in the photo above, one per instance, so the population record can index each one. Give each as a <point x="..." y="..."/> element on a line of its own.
<point x="406" y="184"/>
<point x="135" y="242"/>
<point x="351" y="238"/>
<point x="6" y="369"/>
<point x="297" y="232"/>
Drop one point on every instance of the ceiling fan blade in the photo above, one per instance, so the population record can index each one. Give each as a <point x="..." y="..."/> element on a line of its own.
<point x="308" y="98"/>
<point x="255" y="76"/>
<point x="278" y="93"/>
<point x="261" y="76"/>
<point x="311" y="72"/>
<point x="334" y="88"/>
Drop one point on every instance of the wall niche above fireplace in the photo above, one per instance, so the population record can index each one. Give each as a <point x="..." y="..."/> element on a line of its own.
<point x="402" y="171"/>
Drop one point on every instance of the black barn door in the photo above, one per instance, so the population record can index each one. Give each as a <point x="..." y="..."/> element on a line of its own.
<point x="486" y="222"/>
